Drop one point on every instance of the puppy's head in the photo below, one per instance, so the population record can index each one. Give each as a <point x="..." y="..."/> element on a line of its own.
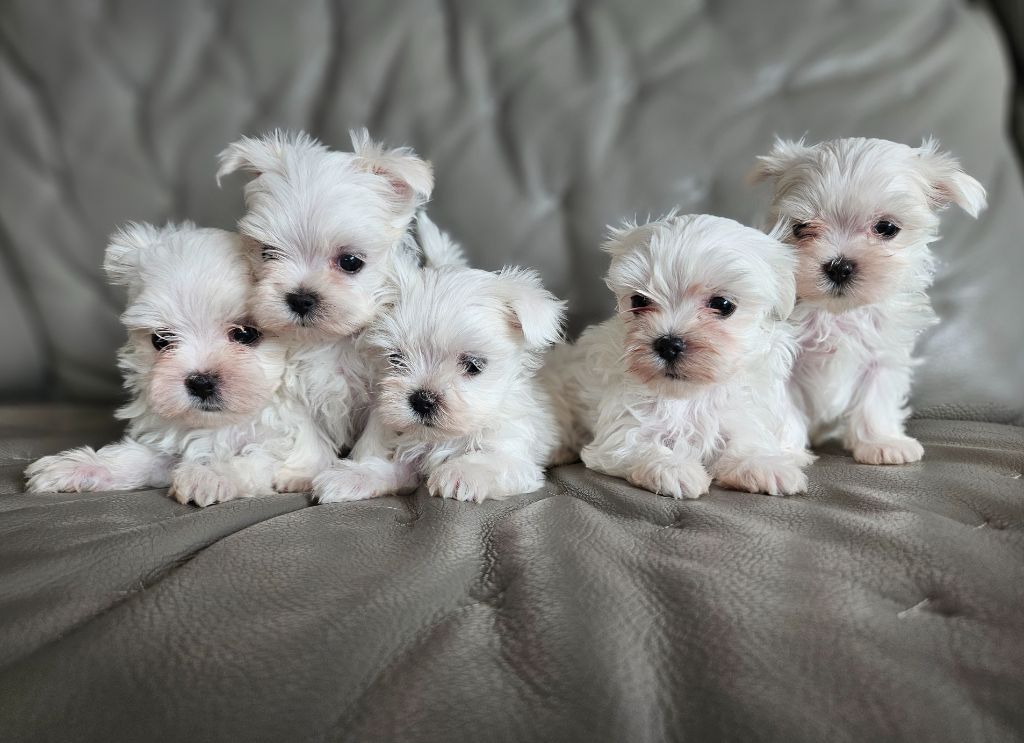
<point x="861" y="212"/>
<point x="194" y="356"/>
<point x="455" y="343"/>
<point x="323" y="227"/>
<point x="696" y="293"/>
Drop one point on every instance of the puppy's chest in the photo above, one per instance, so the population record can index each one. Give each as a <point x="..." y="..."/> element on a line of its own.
<point x="334" y="383"/>
<point x="691" y="424"/>
<point x="827" y="340"/>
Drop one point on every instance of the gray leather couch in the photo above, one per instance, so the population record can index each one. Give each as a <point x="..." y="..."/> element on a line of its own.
<point x="885" y="604"/>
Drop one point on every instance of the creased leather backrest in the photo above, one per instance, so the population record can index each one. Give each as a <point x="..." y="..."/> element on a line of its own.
<point x="545" y="122"/>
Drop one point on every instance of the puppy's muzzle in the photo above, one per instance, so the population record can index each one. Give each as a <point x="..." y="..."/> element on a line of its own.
<point x="302" y="302"/>
<point x="839" y="270"/>
<point x="424" y="404"/>
<point x="202" y="386"/>
<point x="669" y="348"/>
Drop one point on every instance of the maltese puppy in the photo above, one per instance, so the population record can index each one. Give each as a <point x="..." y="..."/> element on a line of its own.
<point x="456" y="399"/>
<point x="325" y="230"/>
<point x="687" y="382"/>
<point x="860" y="214"/>
<point x="204" y="415"/>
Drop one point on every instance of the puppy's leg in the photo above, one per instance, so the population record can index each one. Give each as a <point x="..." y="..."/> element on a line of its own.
<point x="311" y="453"/>
<point x="652" y="467"/>
<point x="370" y="472"/>
<point x="349" y="480"/>
<point x="479" y="475"/>
<point x="874" y="427"/>
<point x="241" y="476"/>
<point x="764" y="450"/>
<point x="125" y="465"/>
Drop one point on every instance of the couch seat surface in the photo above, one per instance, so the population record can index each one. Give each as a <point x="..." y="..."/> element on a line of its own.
<point x="886" y="603"/>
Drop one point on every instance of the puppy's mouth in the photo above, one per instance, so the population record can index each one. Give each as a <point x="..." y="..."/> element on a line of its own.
<point x="211" y="405"/>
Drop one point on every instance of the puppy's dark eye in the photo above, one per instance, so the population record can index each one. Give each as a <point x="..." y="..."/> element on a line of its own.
<point x="801" y="230"/>
<point x="885" y="229"/>
<point x="350" y="263"/>
<point x="473" y="365"/>
<point x="244" y="334"/>
<point x="396" y="360"/>
<point x="160" y="342"/>
<point x="722" y="306"/>
<point x="269" y="253"/>
<point x="639" y="301"/>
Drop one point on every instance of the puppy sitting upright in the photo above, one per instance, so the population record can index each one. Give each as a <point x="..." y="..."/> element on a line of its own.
<point x="687" y="382"/>
<point x="327" y="229"/>
<point x="200" y="373"/>
<point x="860" y="214"/>
<point x="456" y="399"/>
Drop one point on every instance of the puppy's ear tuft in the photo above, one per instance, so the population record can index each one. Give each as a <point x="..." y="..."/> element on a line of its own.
<point x="257" y="155"/>
<point x="122" y="259"/>
<point x="785" y="153"/>
<point x="629" y="236"/>
<point x="410" y="179"/>
<point x="947" y="182"/>
<point x="533" y="310"/>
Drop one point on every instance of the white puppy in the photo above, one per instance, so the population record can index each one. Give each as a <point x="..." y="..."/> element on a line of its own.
<point x="326" y="230"/>
<point x="457" y="400"/>
<point x="860" y="214"/>
<point x="687" y="382"/>
<point x="204" y="415"/>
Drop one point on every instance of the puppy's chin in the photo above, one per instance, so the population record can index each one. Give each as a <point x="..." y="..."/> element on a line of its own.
<point x="242" y="392"/>
<point x="880" y="273"/>
<point x="702" y="368"/>
<point x="861" y="292"/>
<point x="323" y="325"/>
<point x="452" y="419"/>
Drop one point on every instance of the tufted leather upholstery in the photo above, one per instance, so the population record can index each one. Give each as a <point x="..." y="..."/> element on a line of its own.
<point x="887" y="603"/>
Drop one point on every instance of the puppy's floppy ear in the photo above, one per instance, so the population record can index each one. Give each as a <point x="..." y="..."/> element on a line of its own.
<point x="785" y="153"/>
<point x="122" y="259"/>
<point x="780" y="271"/>
<point x="258" y="155"/>
<point x="410" y="179"/>
<point x="533" y="310"/>
<point x="947" y="183"/>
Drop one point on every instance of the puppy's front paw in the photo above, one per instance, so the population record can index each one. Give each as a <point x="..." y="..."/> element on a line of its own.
<point x="199" y="484"/>
<point x="683" y="479"/>
<point x="896" y="450"/>
<point x="346" y="481"/>
<point x="769" y="475"/>
<point x="465" y="481"/>
<point x="63" y="474"/>
<point x="292" y="481"/>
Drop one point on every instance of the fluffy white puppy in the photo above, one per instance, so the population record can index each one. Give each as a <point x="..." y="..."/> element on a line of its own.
<point x="204" y="416"/>
<point x="687" y="382"/>
<point x="456" y="401"/>
<point x="326" y="230"/>
<point x="860" y="214"/>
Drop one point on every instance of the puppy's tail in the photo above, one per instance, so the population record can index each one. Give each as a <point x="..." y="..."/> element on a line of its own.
<point x="436" y="247"/>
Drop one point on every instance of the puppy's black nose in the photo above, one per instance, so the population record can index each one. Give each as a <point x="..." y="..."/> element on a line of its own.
<point x="202" y="386"/>
<point x="302" y="302"/>
<point x="424" y="402"/>
<point x="669" y="347"/>
<point x="839" y="270"/>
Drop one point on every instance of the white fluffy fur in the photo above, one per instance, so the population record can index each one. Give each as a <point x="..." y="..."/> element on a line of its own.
<point x="493" y="431"/>
<point x="722" y="411"/>
<point x="306" y="207"/>
<point x="853" y="373"/>
<point x="190" y="286"/>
